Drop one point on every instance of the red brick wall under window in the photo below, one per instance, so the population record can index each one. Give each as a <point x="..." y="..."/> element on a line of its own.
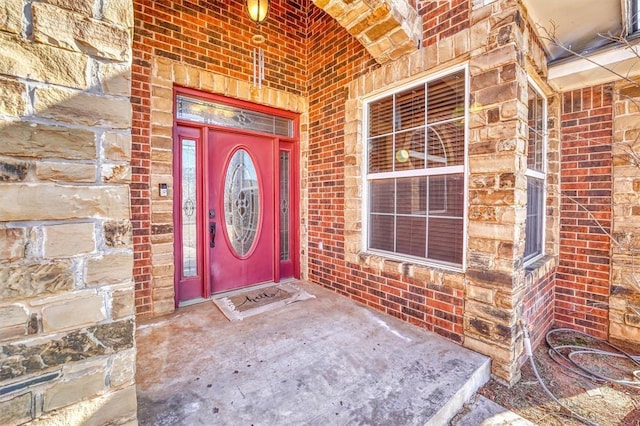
<point x="538" y="310"/>
<point x="211" y="35"/>
<point x="583" y="277"/>
<point x="336" y="59"/>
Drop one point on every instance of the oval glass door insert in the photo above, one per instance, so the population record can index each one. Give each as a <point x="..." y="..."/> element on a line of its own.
<point x="241" y="202"/>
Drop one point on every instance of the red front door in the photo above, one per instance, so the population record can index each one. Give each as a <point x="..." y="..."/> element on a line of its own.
<point x="235" y="193"/>
<point x="241" y="222"/>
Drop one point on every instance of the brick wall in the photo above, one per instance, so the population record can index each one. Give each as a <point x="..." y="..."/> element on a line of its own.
<point x="422" y="298"/>
<point x="477" y="308"/>
<point x="584" y="268"/>
<point x="67" y="348"/>
<point x="210" y="37"/>
<point x="539" y="301"/>
<point x="443" y="18"/>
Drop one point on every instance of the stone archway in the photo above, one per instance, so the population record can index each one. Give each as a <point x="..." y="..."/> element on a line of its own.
<point x="388" y="29"/>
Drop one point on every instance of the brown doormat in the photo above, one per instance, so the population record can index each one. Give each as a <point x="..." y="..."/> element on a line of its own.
<point x="256" y="300"/>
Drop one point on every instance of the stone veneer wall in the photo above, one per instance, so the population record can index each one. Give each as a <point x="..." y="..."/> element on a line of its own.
<point x="67" y="350"/>
<point x="480" y="308"/>
<point x="624" y="301"/>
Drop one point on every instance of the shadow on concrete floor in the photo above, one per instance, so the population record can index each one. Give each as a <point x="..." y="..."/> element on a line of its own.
<point x="323" y="361"/>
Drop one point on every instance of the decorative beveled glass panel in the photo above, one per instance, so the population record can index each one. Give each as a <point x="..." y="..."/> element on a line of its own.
<point x="285" y="188"/>
<point x="189" y="209"/>
<point x="223" y="115"/>
<point x="241" y="202"/>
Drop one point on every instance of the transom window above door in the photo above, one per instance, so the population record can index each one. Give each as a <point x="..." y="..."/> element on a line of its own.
<point x="215" y="113"/>
<point x="415" y="164"/>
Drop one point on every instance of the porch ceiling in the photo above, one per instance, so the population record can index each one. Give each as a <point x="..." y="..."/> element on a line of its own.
<point x="583" y="26"/>
<point x="577" y="24"/>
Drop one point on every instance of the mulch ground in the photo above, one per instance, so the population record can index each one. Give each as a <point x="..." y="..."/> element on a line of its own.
<point x="602" y="403"/>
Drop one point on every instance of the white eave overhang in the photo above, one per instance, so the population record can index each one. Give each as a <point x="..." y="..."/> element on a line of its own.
<point x="602" y="66"/>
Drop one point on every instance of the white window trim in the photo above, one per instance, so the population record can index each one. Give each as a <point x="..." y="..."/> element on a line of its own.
<point x="464" y="169"/>
<point x="540" y="175"/>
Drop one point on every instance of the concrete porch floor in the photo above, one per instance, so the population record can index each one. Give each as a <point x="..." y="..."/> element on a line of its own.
<point x="324" y="361"/>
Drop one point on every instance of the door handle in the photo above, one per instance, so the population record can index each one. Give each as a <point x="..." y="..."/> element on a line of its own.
<point x="212" y="231"/>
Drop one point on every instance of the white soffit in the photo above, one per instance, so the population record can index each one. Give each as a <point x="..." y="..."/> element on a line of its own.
<point x="578" y="24"/>
<point x="596" y="68"/>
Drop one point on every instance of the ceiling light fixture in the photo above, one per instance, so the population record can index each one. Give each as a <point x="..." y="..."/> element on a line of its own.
<point x="257" y="10"/>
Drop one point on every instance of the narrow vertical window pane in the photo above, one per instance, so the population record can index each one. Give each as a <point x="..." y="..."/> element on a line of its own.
<point x="534" y="232"/>
<point x="535" y="152"/>
<point x="189" y="209"/>
<point x="533" y="227"/>
<point x="284" y="205"/>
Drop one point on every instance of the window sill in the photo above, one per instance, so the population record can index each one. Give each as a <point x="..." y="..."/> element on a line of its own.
<point x="539" y="267"/>
<point x="406" y="264"/>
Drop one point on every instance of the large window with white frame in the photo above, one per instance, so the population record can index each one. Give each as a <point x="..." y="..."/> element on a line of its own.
<point x="415" y="171"/>
<point x="536" y="174"/>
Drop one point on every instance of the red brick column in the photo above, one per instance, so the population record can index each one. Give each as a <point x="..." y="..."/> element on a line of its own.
<point x="583" y="277"/>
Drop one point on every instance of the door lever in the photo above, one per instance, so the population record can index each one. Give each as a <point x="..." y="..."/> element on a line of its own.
<point x="212" y="231"/>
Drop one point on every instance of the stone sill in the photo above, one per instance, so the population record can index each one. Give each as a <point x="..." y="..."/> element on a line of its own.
<point x="432" y="273"/>
<point x="537" y="270"/>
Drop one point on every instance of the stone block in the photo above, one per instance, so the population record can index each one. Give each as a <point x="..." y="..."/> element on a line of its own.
<point x="496" y="58"/>
<point x="69" y="240"/>
<point x="13" y="101"/>
<point x="34" y="202"/>
<point x="118" y="12"/>
<point x="14" y="320"/>
<point x="12" y="243"/>
<point x="11" y="16"/>
<point x="73" y="390"/>
<point x="118" y="233"/>
<point x="12" y="170"/>
<point x="123" y="369"/>
<point x="116" y="173"/>
<point x="74" y="31"/>
<point x="39" y="140"/>
<point x="43" y="63"/>
<point x="113" y="408"/>
<point x="115" y="79"/>
<point x="84" y="7"/>
<point x="25" y="281"/>
<point x="490" y="279"/>
<point x="122" y="304"/>
<point x="497" y="94"/>
<point x="17" y="410"/>
<point x="116" y="146"/>
<point x="497" y="353"/>
<point x="56" y="171"/>
<point x="110" y="268"/>
<point x="61" y="349"/>
<point x="80" y="311"/>
<point x="82" y="108"/>
<point x="481" y="294"/>
<point x="496" y="231"/>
